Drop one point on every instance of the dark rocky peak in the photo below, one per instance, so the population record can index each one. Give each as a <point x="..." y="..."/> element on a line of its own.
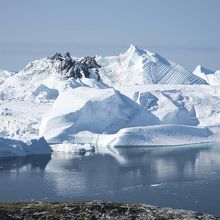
<point x="60" y="57"/>
<point x="57" y="56"/>
<point x="69" y="67"/>
<point x="91" y="62"/>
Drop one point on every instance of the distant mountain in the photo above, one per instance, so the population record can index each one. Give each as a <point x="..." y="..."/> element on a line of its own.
<point x="211" y="77"/>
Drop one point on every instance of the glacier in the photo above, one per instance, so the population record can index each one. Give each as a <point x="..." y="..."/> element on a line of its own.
<point x="137" y="98"/>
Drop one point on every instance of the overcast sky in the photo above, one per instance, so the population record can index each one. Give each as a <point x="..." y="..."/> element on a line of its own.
<point x="184" y="31"/>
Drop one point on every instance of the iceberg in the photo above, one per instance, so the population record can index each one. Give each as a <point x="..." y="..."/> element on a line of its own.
<point x="135" y="98"/>
<point x="13" y="148"/>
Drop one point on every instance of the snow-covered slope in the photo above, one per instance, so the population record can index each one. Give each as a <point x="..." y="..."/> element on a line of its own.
<point x="142" y="67"/>
<point x="41" y="79"/>
<point x="94" y="110"/>
<point x="4" y="74"/>
<point x="211" y="77"/>
<point x="136" y="98"/>
<point x="163" y="114"/>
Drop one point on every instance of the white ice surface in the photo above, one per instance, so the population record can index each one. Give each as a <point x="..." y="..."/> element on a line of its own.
<point x="141" y="67"/>
<point x="95" y="110"/>
<point x="142" y="99"/>
<point x="4" y="74"/>
<point x="211" y="77"/>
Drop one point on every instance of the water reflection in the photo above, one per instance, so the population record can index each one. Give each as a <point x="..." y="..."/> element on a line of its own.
<point x="182" y="177"/>
<point x="29" y="162"/>
<point x="164" y="163"/>
<point x="119" y="168"/>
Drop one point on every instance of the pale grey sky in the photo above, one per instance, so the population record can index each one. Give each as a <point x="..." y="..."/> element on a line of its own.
<point x="184" y="31"/>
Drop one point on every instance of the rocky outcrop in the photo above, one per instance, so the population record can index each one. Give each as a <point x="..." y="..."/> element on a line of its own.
<point x="76" y="69"/>
<point x="93" y="211"/>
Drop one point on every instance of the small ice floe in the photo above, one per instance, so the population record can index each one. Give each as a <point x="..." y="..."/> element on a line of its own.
<point x="73" y="148"/>
<point x="157" y="184"/>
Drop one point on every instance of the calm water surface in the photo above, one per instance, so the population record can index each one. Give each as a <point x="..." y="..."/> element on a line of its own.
<point x="181" y="177"/>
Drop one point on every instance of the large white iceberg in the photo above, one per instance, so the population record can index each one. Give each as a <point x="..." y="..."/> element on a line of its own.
<point x="135" y="98"/>
<point x="99" y="111"/>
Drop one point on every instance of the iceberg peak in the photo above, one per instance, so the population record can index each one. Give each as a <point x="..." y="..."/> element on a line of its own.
<point x="210" y="76"/>
<point x="203" y="69"/>
<point x="155" y="57"/>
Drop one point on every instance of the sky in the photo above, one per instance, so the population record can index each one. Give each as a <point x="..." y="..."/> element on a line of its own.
<point x="184" y="31"/>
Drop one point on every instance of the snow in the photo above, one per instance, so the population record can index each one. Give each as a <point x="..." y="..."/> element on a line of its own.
<point x="43" y="93"/>
<point x="90" y="109"/>
<point x="161" y="135"/>
<point x="142" y="67"/>
<point x="77" y="149"/>
<point x="4" y="74"/>
<point x="141" y="99"/>
<point x="164" y="115"/>
<point x="21" y="119"/>
<point x="41" y="81"/>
